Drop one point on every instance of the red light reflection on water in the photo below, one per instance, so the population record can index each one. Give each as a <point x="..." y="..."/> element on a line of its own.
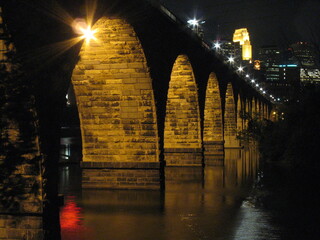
<point x="71" y="220"/>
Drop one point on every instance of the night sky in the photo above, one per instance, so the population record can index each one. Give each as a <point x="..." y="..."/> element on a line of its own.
<point x="269" y="22"/>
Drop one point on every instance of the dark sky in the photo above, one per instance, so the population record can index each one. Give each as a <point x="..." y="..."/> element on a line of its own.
<point x="279" y="22"/>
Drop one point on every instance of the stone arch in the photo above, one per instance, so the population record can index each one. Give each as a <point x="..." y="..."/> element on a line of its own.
<point x="182" y="135"/>
<point x="213" y="126"/>
<point x="230" y="124"/>
<point x="116" y="106"/>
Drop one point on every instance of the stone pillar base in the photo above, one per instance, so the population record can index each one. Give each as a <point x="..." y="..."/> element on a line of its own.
<point x="121" y="175"/>
<point x="232" y="143"/>
<point x="183" y="157"/>
<point x="214" y="153"/>
<point x="21" y="227"/>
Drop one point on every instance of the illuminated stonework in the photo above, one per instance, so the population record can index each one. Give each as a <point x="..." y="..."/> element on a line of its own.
<point x="117" y="109"/>
<point x="242" y="36"/>
<point x="230" y="124"/>
<point x="213" y="127"/>
<point x="182" y="135"/>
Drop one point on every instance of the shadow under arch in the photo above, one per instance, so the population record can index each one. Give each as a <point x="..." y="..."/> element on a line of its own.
<point x="213" y="126"/>
<point x="230" y="124"/>
<point x="182" y="135"/>
<point x="117" y="112"/>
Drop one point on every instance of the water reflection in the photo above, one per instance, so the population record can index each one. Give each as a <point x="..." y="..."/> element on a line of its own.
<point x="197" y="204"/>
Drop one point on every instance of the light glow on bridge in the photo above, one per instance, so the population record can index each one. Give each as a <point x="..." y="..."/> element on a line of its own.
<point x="88" y="34"/>
<point x="81" y="27"/>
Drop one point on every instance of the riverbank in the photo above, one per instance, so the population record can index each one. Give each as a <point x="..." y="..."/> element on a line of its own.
<point x="291" y="197"/>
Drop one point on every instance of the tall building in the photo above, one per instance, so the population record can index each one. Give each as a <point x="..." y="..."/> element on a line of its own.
<point x="242" y="36"/>
<point x="283" y="81"/>
<point x="269" y="56"/>
<point x="306" y="55"/>
<point x="227" y="49"/>
<point x="307" y="58"/>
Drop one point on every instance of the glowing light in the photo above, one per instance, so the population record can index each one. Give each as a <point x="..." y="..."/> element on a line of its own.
<point x="193" y="22"/>
<point x="247" y="76"/>
<point x="71" y="216"/>
<point x="253" y="81"/>
<point x="257" y="85"/>
<point x="231" y="59"/>
<point x="264" y="92"/>
<point x="216" y="45"/>
<point x="240" y="69"/>
<point x="82" y="28"/>
<point x="261" y="89"/>
<point x="88" y="34"/>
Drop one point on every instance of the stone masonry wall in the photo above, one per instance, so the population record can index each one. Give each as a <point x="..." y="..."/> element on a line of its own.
<point x="182" y="136"/>
<point x="213" y="131"/>
<point x="115" y="98"/>
<point x="230" y="125"/>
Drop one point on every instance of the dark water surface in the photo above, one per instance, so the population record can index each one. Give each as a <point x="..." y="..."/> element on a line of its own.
<point x="211" y="203"/>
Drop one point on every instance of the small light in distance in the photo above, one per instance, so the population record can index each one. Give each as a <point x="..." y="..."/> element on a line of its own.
<point x="193" y="22"/>
<point x="231" y="59"/>
<point x="216" y="45"/>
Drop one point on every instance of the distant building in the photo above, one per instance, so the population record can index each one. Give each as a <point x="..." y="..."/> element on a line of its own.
<point x="306" y="55"/>
<point x="283" y="81"/>
<point x="227" y="49"/>
<point x="269" y="56"/>
<point x="242" y="36"/>
<point x="309" y="76"/>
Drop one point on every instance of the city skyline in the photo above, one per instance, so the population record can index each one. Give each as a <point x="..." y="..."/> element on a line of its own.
<point x="269" y="22"/>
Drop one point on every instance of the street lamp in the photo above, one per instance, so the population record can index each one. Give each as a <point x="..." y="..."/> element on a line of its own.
<point x="82" y="28"/>
<point x="217" y="45"/>
<point x="231" y="59"/>
<point x="88" y="34"/>
<point x="240" y="69"/>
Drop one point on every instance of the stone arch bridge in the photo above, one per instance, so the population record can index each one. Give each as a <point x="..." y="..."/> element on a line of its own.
<point x="149" y="92"/>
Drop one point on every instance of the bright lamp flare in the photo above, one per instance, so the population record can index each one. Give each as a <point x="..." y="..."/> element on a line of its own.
<point x="88" y="34"/>
<point x="231" y="59"/>
<point x="193" y="22"/>
<point x="217" y="45"/>
<point x="81" y="27"/>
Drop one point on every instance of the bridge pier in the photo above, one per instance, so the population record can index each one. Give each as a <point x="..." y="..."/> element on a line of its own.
<point x="183" y="157"/>
<point x="214" y="153"/>
<point x="121" y="175"/>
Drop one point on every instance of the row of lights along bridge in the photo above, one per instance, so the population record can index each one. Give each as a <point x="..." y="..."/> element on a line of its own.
<point x="281" y="72"/>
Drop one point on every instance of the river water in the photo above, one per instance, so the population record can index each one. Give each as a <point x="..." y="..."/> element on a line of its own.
<point x="197" y="204"/>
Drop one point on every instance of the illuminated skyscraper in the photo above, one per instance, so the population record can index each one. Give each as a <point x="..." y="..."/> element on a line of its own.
<point x="242" y="36"/>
